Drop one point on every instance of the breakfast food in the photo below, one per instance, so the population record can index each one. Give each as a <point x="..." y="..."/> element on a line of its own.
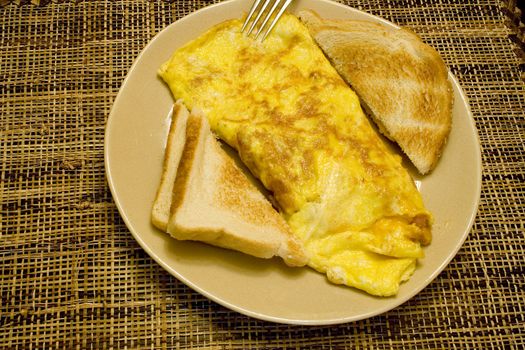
<point x="160" y="213"/>
<point x="300" y="129"/>
<point x="401" y="81"/>
<point x="212" y="201"/>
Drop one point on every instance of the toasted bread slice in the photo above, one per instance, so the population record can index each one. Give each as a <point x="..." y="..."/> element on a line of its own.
<point x="401" y="81"/>
<point x="160" y="213"/>
<point x="214" y="202"/>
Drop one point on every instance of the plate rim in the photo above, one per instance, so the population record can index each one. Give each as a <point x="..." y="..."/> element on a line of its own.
<point x="251" y="313"/>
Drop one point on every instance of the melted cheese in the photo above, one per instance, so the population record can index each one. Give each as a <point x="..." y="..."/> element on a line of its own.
<point x="300" y="129"/>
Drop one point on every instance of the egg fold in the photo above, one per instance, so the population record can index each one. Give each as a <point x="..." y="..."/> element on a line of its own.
<point x="300" y="129"/>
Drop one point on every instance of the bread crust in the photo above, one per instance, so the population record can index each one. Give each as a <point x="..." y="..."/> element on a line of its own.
<point x="214" y="202"/>
<point x="402" y="82"/>
<point x="161" y="206"/>
<point x="193" y="131"/>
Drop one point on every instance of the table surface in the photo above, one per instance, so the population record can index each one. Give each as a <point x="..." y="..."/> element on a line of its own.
<point x="72" y="275"/>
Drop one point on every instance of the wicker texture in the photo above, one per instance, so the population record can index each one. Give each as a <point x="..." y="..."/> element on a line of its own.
<point x="71" y="275"/>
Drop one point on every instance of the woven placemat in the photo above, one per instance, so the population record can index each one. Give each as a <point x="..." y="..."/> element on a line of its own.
<point x="71" y="275"/>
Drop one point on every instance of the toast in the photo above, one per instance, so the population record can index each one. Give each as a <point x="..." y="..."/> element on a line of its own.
<point x="401" y="82"/>
<point x="160" y="212"/>
<point x="211" y="199"/>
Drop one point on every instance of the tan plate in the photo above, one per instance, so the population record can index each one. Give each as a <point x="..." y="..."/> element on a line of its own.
<point x="134" y="146"/>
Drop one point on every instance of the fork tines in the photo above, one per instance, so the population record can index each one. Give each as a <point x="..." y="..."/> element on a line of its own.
<point x="260" y="8"/>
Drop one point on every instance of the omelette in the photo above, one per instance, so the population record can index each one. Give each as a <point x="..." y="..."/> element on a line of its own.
<point x="300" y="129"/>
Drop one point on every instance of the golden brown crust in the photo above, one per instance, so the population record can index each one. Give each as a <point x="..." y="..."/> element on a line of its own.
<point x="193" y="130"/>
<point x="402" y="82"/>
<point x="234" y="203"/>
<point x="233" y="187"/>
<point x="156" y="220"/>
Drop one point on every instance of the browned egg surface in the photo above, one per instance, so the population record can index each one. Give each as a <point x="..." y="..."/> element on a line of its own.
<point x="300" y="129"/>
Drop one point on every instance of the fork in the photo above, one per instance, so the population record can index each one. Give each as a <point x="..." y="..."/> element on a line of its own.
<point x="256" y="12"/>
